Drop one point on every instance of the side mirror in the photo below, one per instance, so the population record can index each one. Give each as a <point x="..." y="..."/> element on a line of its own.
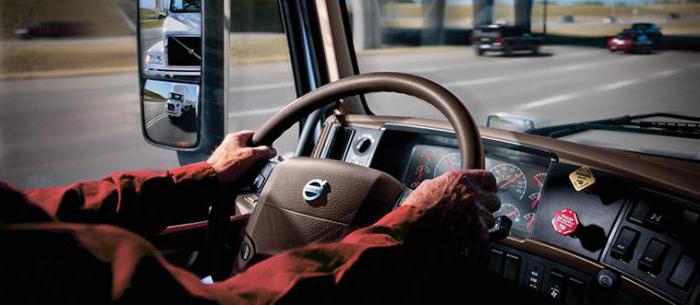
<point x="510" y="122"/>
<point x="181" y="82"/>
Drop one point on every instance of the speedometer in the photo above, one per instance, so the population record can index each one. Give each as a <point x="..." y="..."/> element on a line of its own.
<point x="448" y="162"/>
<point x="510" y="179"/>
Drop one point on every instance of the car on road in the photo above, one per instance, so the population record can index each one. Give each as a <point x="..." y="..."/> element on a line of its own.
<point x="651" y="30"/>
<point x="178" y="52"/>
<point x="504" y="38"/>
<point x="631" y="41"/>
<point x="53" y="30"/>
<point x="180" y="100"/>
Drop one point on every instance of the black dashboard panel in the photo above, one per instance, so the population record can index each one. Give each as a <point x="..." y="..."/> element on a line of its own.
<point x="625" y="227"/>
<point x="520" y="172"/>
<point x="597" y="208"/>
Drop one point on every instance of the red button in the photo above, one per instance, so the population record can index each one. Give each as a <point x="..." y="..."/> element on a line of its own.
<point x="565" y="221"/>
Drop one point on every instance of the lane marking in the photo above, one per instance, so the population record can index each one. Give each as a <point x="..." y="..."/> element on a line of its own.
<point x="666" y="73"/>
<point x="474" y="82"/>
<point x="617" y="85"/>
<point x="155" y="120"/>
<point x="262" y="87"/>
<point x="550" y="100"/>
<point x="254" y="112"/>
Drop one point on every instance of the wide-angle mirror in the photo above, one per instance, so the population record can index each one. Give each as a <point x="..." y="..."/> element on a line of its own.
<point x="170" y="54"/>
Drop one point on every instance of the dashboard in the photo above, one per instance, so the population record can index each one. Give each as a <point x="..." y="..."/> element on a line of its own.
<point x="519" y="175"/>
<point x="634" y="242"/>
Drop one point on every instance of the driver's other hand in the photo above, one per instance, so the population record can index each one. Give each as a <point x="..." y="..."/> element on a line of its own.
<point x="233" y="158"/>
<point x="462" y="200"/>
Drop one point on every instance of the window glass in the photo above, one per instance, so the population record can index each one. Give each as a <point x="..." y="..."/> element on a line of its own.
<point x="69" y="86"/>
<point x="261" y="80"/>
<point x="494" y="55"/>
<point x="69" y="93"/>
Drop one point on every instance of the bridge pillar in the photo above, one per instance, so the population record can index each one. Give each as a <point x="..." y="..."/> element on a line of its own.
<point x="523" y="13"/>
<point x="483" y="12"/>
<point x="433" y="22"/>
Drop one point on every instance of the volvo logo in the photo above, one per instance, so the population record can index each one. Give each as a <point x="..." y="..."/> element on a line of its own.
<point x="314" y="190"/>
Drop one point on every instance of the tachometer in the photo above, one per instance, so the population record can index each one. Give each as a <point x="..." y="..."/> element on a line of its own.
<point x="509" y="211"/>
<point x="510" y="179"/>
<point x="447" y="163"/>
<point x="417" y="175"/>
<point x="539" y="179"/>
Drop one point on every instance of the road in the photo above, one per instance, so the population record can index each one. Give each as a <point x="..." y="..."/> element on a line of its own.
<point x="56" y="131"/>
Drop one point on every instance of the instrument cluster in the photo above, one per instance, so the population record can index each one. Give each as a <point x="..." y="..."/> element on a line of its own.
<point x="520" y="177"/>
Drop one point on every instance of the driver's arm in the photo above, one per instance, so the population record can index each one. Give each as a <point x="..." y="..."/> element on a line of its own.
<point x="62" y="263"/>
<point x="147" y="201"/>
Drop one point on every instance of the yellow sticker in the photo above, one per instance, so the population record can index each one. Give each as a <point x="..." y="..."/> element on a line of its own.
<point x="582" y="178"/>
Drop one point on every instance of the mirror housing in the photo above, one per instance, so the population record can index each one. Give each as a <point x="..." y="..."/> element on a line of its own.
<point x="511" y="122"/>
<point x="183" y="74"/>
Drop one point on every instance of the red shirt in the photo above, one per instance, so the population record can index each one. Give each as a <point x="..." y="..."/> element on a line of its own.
<point x="76" y="245"/>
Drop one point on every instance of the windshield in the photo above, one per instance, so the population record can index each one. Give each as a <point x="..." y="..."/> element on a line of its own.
<point x="185" y="6"/>
<point x="553" y="62"/>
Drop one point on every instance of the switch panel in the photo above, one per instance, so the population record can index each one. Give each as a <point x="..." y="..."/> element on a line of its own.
<point x="623" y="248"/>
<point x="555" y="287"/>
<point x="511" y="267"/>
<point x="653" y="257"/>
<point x="683" y="272"/>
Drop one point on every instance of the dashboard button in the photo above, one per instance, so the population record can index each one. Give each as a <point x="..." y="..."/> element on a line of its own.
<point x="623" y="248"/>
<point x="565" y="222"/>
<point x="639" y="212"/>
<point x="496" y="261"/>
<point x="575" y="291"/>
<point x="363" y="144"/>
<point x="534" y="275"/>
<point x="511" y="267"/>
<point x="653" y="258"/>
<point x="555" y="287"/>
<point x="682" y="272"/>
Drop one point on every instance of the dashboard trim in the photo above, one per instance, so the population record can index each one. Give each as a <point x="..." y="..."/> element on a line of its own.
<point x="677" y="176"/>
<point x="659" y="174"/>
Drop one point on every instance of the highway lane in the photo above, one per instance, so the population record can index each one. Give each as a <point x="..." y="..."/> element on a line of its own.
<point x="56" y="131"/>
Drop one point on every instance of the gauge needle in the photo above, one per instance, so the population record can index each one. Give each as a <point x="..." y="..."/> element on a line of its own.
<point x="512" y="214"/>
<point x="536" y="201"/>
<point x="449" y="163"/>
<point x="503" y="185"/>
<point x="420" y="171"/>
<point x="532" y="220"/>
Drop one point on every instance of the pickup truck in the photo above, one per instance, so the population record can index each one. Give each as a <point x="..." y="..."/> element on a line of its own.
<point x="504" y="38"/>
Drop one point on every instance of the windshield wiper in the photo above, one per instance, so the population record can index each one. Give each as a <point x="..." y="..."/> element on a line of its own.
<point x="679" y="126"/>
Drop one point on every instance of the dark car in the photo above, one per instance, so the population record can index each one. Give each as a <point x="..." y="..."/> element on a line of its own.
<point x="53" y="30"/>
<point x="652" y="30"/>
<point x="631" y="41"/>
<point x="504" y="38"/>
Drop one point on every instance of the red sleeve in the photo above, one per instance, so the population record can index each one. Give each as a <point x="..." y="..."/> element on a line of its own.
<point x="102" y="263"/>
<point x="142" y="201"/>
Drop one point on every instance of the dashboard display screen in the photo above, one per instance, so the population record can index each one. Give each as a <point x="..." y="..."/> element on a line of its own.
<point x="520" y="177"/>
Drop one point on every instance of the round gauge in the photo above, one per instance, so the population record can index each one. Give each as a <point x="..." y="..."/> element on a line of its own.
<point x="448" y="163"/>
<point x="535" y="199"/>
<point x="509" y="211"/>
<point x="530" y="218"/>
<point x="417" y="175"/>
<point x="539" y="179"/>
<point x="510" y="179"/>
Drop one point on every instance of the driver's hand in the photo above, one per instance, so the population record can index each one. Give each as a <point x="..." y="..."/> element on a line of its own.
<point x="459" y="203"/>
<point x="233" y="158"/>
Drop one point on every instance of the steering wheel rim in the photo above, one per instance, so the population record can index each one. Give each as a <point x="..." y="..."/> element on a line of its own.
<point x="466" y="132"/>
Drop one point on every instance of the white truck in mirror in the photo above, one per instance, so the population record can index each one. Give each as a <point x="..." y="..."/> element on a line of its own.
<point x="181" y="99"/>
<point x="177" y="50"/>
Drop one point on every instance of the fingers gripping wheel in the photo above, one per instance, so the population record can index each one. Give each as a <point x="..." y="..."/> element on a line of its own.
<point x="348" y="195"/>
